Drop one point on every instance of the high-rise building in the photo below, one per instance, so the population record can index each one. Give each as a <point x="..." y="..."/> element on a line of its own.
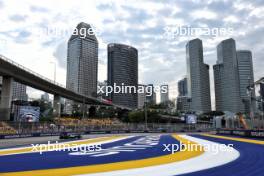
<point x="141" y="97"/>
<point x="260" y="98"/>
<point x="102" y="93"/>
<point x="82" y="61"/>
<point x="19" y="91"/>
<point x="182" y="87"/>
<point x="246" y="78"/>
<point x="226" y="77"/>
<point x="45" y="97"/>
<point x="164" y="93"/>
<point x="123" y="69"/>
<point x="261" y="91"/>
<point x="151" y="95"/>
<point x="260" y="104"/>
<point x="183" y="103"/>
<point x="197" y="77"/>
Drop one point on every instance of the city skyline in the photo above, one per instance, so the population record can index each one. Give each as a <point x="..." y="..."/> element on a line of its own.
<point x="151" y="60"/>
<point x="238" y="62"/>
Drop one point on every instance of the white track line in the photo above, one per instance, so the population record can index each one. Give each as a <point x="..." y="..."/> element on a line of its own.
<point x="205" y="161"/>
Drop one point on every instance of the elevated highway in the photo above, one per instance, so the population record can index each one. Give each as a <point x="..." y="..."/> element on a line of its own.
<point x="11" y="71"/>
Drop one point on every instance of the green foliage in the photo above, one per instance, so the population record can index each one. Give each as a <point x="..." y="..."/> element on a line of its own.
<point x="157" y="106"/>
<point x="152" y="117"/>
<point x="46" y="119"/>
<point x="214" y="113"/>
<point x="105" y="112"/>
<point x="46" y="110"/>
<point x="136" y="116"/>
<point x="209" y="115"/>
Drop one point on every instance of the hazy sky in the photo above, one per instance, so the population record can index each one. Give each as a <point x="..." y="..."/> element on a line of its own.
<point x="135" y="22"/>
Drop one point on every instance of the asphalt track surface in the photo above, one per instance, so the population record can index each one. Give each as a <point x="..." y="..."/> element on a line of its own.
<point x="140" y="155"/>
<point x="250" y="162"/>
<point x="5" y="143"/>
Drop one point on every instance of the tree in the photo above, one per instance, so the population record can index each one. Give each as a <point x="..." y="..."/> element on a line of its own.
<point x="136" y="116"/>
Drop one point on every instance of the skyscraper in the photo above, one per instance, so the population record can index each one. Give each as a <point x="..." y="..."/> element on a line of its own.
<point x="102" y="94"/>
<point x="141" y="98"/>
<point x="261" y="91"/>
<point x="261" y="98"/>
<point x="226" y="76"/>
<point x="45" y="97"/>
<point x="183" y="103"/>
<point x="182" y="87"/>
<point x="82" y="61"/>
<point x="246" y="78"/>
<point x="164" y="95"/>
<point x="19" y="91"/>
<point x="197" y="77"/>
<point x="123" y="69"/>
<point x="151" y="96"/>
<point x="183" y="100"/>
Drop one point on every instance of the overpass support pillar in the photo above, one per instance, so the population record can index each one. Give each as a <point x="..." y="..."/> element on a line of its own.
<point x="56" y="106"/>
<point x="6" y="98"/>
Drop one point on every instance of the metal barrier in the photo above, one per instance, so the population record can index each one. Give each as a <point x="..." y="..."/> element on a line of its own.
<point x="242" y="133"/>
<point x="26" y="128"/>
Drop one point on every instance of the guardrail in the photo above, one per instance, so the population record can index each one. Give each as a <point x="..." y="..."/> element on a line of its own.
<point x="49" y="129"/>
<point x="242" y="133"/>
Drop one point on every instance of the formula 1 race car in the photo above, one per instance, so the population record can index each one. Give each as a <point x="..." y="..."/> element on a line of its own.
<point x="70" y="135"/>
